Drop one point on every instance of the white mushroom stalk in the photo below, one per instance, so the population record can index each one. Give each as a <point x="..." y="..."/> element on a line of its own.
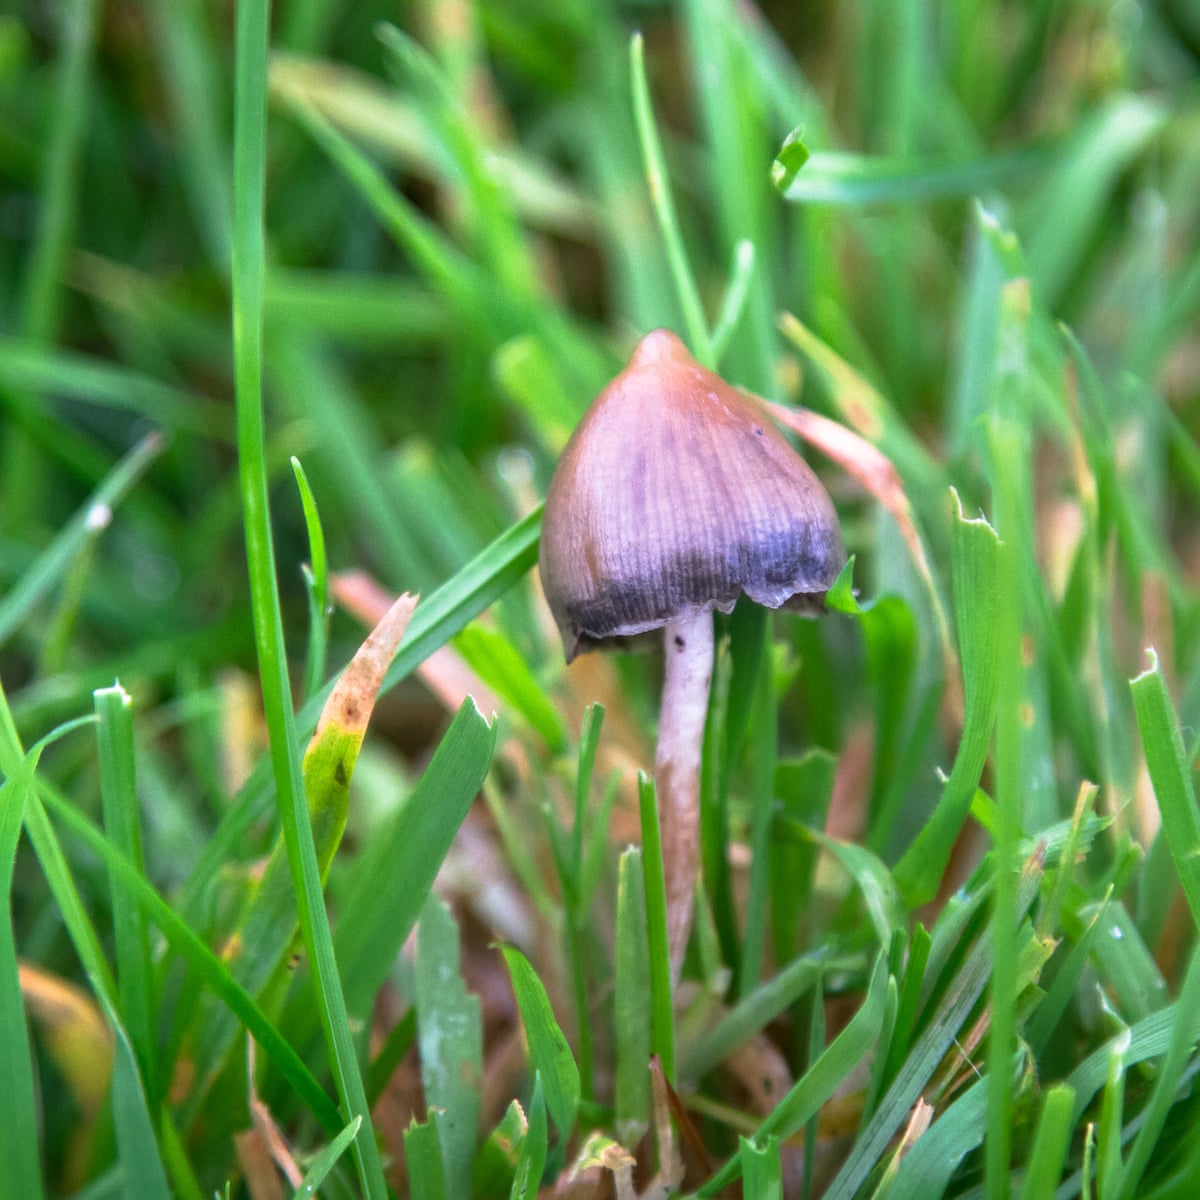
<point x="687" y="674"/>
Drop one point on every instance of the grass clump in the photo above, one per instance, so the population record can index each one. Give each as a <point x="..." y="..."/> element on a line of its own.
<point x="298" y="313"/>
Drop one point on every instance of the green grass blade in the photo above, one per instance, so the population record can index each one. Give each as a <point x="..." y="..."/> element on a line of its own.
<point x="424" y="1160"/>
<point x="662" y="1008"/>
<point x="976" y="552"/>
<point x="41" y="301"/>
<point x="764" y="750"/>
<point x="324" y="1162"/>
<point x="137" y="1147"/>
<point x="19" y="1140"/>
<point x="840" y="178"/>
<point x="249" y="251"/>
<point x="184" y="941"/>
<point x="1170" y="772"/>
<point x="1180" y="1048"/>
<point x="193" y="92"/>
<point x="631" y="1002"/>
<point x="531" y="1161"/>
<point x="548" y="1048"/>
<point x="664" y="207"/>
<point x="935" y="1040"/>
<point x="1010" y="452"/>
<point x="122" y="823"/>
<point x="496" y="661"/>
<point x="821" y="1080"/>
<point x="316" y="581"/>
<point x="734" y="303"/>
<point x="450" y="1034"/>
<point x="762" y="1173"/>
<point x="1049" y="1154"/>
<point x="758" y="1009"/>
<point x="55" y="560"/>
<point x="1063" y="214"/>
<point x="390" y="888"/>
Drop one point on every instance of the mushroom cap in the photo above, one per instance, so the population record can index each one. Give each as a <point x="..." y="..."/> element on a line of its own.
<point x="674" y="495"/>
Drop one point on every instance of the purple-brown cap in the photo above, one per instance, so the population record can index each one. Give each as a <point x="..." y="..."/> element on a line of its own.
<point x="674" y="495"/>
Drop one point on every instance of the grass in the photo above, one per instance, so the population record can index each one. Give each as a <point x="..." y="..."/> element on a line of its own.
<point x="296" y="314"/>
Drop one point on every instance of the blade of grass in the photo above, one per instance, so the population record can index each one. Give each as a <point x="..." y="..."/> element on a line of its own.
<point x="548" y="1048"/>
<point x="841" y="178"/>
<point x="731" y="105"/>
<point x="316" y="585"/>
<point x="193" y="92"/>
<point x="390" y="888"/>
<point x="733" y="305"/>
<point x="58" y="186"/>
<point x="664" y="207"/>
<point x="758" y="1009"/>
<point x="55" y="560"/>
<point x="976" y="552"/>
<point x="631" y="1002"/>
<point x="122" y="823"/>
<point x="927" y="1053"/>
<point x="1180" y="1048"/>
<point x="1049" y="1155"/>
<point x="184" y="941"/>
<point x="1008" y="450"/>
<point x="19" y="1140"/>
<point x="324" y="1162"/>
<point x="662" y="1011"/>
<point x="1170" y="772"/>
<point x="450" y="1034"/>
<point x="822" y="1079"/>
<point x="531" y="1161"/>
<point x="764" y="752"/>
<point x="249" y="252"/>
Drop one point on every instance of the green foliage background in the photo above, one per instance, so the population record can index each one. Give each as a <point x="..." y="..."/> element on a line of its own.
<point x="949" y="848"/>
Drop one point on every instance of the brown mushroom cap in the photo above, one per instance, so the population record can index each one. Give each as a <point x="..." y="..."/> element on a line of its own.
<point x="675" y="494"/>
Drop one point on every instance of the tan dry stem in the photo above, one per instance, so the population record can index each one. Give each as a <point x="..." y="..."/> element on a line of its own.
<point x="687" y="673"/>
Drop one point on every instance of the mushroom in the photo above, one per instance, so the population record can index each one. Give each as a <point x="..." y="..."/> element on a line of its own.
<point x="674" y="495"/>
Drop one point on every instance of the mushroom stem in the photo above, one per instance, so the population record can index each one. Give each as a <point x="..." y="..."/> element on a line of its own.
<point x="688" y="665"/>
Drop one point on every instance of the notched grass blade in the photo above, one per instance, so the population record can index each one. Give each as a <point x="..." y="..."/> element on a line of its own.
<point x="976" y="554"/>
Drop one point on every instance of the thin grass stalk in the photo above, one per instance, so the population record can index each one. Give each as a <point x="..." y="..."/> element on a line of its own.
<point x="998" y="1144"/>
<point x="252" y="36"/>
<point x="21" y="471"/>
<point x="699" y="337"/>
<point x="118" y="795"/>
<point x="662" y="1018"/>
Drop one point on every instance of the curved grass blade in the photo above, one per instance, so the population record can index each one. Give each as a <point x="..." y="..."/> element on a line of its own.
<point x="975" y="560"/>
<point x="821" y="1080"/>
<point x="1170" y="772"/>
<point x="53" y="562"/>
<point x="326" y="1161"/>
<point x="208" y="967"/>
<point x="548" y="1048"/>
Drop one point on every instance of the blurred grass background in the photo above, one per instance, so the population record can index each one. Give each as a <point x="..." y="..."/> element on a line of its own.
<point x="987" y="268"/>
